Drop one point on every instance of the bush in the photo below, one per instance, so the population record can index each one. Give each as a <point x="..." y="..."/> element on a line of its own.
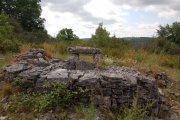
<point x="56" y="94"/>
<point x="159" y="45"/>
<point x="9" y="45"/>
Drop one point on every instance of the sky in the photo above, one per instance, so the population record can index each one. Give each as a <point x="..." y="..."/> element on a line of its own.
<point x="124" y="18"/>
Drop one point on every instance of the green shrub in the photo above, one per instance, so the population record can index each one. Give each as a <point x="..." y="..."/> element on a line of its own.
<point x="9" y="46"/>
<point x="159" y="45"/>
<point x="56" y="94"/>
<point x="136" y="112"/>
<point x="86" y="112"/>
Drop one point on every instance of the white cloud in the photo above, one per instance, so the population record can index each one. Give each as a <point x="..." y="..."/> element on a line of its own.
<point x="164" y="8"/>
<point x="83" y="16"/>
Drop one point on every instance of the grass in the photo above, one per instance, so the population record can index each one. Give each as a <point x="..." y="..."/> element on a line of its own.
<point x="136" y="112"/>
<point x="8" y="89"/>
<point x="6" y="58"/>
<point x="85" y="112"/>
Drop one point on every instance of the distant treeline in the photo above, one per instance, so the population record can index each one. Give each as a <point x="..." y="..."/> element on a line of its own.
<point x="137" y="40"/>
<point x="134" y="40"/>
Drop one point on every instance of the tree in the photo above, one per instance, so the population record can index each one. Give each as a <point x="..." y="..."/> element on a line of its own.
<point x="66" y="34"/>
<point x="101" y="36"/>
<point x="27" y="12"/>
<point x="5" y="28"/>
<point x="170" y="32"/>
<point x="7" y="39"/>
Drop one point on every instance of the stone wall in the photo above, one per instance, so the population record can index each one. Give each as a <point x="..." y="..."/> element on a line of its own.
<point x="114" y="87"/>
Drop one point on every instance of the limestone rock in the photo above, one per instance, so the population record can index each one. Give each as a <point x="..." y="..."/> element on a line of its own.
<point x="84" y="50"/>
<point x="31" y="74"/>
<point x="15" y="68"/>
<point x="84" y="65"/>
<point x="58" y="74"/>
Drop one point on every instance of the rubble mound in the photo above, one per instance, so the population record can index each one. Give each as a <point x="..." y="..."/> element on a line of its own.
<point x="114" y="87"/>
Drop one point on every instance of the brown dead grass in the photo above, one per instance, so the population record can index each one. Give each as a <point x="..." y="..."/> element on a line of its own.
<point x="8" y="89"/>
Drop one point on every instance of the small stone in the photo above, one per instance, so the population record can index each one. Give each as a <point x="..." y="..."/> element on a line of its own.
<point x="4" y="99"/>
<point x="173" y="116"/>
<point x="3" y="117"/>
<point x="163" y="107"/>
<point x="72" y="116"/>
<point x="160" y="92"/>
<point x="176" y="94"/>
<point x="39" y="55"/>
<point x="162" y="99"/>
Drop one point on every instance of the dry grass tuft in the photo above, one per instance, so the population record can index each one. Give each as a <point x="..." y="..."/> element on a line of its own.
<point x="8" y="89"/>
<point x="48" y="54"/>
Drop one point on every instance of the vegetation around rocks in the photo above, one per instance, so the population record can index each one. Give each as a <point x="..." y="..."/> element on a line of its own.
<point x="18" y="100"/>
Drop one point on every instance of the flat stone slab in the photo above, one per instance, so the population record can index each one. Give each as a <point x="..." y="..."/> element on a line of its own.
<point x="84" y="50"/>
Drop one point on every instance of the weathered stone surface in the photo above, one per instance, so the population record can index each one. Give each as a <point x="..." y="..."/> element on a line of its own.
<point x="1" y="77"/>
<point x="76" y="74"/>
<point x="173" y="116"/>
<point x="15" y="68"/>
<point x="58" y="74"/>
<point x="40" y="55"/>
<point x="84" y="65"/>
<point x="71" y="64"/>
<point x="97" y="57"/>
<point x="36" y="50"/>
<point x="31" y="74"/>
<point x="162" y="100"/>
<point x="84" y="50"/>
<point x="163" y="107"/>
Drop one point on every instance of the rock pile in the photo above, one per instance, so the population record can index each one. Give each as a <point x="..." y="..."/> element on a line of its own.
<point x="114" y="87"/>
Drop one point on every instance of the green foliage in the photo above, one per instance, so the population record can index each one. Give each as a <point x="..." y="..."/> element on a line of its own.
<point x="35" y="36"/>
<point x="86" y="112"/>
<point x="22" y="83"/>
<point x="5" y="29"/>
<point x="136" y="112"/>
<point x="6" y="59"/>
<point x="7" y="40"/>
<point x="66" y="34"/>
<point x="170" y="32"/>
<point x="55" y="94"/>
<point x="105" y="63"/>
<point x="9" y="45"/>
<point x="101" y="36"/>
<point x="172" y="61"/>
<point x="159" y="45"/>
<point x="21" y="102"/>
<point x="27" y="12"/>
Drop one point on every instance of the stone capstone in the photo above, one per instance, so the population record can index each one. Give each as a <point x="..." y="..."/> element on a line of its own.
<point x="84" y="50"/>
